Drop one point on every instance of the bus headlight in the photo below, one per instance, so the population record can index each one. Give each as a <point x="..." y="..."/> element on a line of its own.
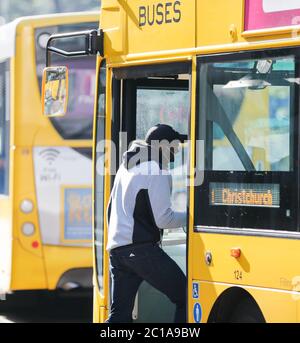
<point x="28" y="229"/>
<point x="26" y="206"/>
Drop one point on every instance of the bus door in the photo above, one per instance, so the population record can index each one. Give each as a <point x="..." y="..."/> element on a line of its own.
<point x="143" y="97"/>
<point x="101" y="263"/>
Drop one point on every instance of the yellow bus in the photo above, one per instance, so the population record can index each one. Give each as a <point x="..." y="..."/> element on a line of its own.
<point x="45" y="163"/>
<point x="226" y="73"/>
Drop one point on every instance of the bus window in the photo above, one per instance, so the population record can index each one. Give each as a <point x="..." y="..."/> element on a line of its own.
<point x="224" y="156"/>
<point x="247" y="116"/>
<point x="4" y="127"/>
<point x="162" y="106"/>
<point x="265" y="132"/>
<point x="78" y="121"/>
<point x="166" y="106"/>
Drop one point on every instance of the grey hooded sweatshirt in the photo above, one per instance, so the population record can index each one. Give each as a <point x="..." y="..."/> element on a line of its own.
<point x="140" y="201"/>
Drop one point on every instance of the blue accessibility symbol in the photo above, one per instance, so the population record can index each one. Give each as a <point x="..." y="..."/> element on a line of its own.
<point x="195" y="290"/>
<point x="197" y="313"/>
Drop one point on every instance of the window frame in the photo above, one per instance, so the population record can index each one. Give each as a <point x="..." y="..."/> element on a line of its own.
<point x="99" y="264"/>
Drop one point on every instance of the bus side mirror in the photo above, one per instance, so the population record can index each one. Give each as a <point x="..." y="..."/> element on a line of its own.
<point x="55" y="91"/>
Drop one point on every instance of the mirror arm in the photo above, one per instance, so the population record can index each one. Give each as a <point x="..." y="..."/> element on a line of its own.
<point x="93" y="44"/>
<point x="66" y="53"/>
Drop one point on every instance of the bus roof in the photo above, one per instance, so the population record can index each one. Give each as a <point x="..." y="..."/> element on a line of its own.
<point x="9" y="30"/>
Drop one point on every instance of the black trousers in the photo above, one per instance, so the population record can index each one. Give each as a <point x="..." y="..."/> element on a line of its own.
<point x="131" y="265"/>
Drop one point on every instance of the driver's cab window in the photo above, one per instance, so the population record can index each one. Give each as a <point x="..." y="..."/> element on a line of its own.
<point x="159" y="95"/>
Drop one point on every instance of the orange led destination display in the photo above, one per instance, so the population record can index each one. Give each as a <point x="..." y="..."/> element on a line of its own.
<point x="244" y="194"/>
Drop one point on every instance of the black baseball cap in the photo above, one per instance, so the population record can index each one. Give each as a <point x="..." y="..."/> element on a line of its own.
<point x="162" y="132"/>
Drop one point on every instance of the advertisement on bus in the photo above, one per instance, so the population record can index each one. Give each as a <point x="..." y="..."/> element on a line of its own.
<point x="264" y="14"/>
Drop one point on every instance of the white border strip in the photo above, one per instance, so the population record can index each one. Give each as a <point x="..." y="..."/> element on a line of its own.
<point x="271" y="6"/>
<point x="8" y="40"/>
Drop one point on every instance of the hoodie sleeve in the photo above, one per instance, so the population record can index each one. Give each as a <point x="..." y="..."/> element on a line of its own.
<point x="160" y="199"/>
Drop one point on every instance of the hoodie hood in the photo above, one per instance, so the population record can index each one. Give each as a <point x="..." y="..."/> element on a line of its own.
<point x="139" y="152"/>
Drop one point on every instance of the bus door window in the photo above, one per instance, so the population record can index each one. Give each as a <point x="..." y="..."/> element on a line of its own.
<point x="151" y="97"/>
<point x="166" y="106"/>
<point x="4" y="127"/>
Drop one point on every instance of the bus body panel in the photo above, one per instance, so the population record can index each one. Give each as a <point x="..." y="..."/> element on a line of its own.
<point x="264" y="262"/>
<point x="219" y="24"/>
<point x="100" y="308"/>
<point x="59" y="260"/>
<point x="277" y="306"/>
<point x="209" y="29"/>
<point x="134" y="25"/>
<point x="63" y="195"/>
<point x="28" y="270"/>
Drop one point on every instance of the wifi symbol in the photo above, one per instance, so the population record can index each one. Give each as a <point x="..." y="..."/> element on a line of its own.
<point x="49" y="155"/>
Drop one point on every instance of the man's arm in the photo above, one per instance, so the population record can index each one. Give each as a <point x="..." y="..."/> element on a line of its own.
<point x="160" y="199"/>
